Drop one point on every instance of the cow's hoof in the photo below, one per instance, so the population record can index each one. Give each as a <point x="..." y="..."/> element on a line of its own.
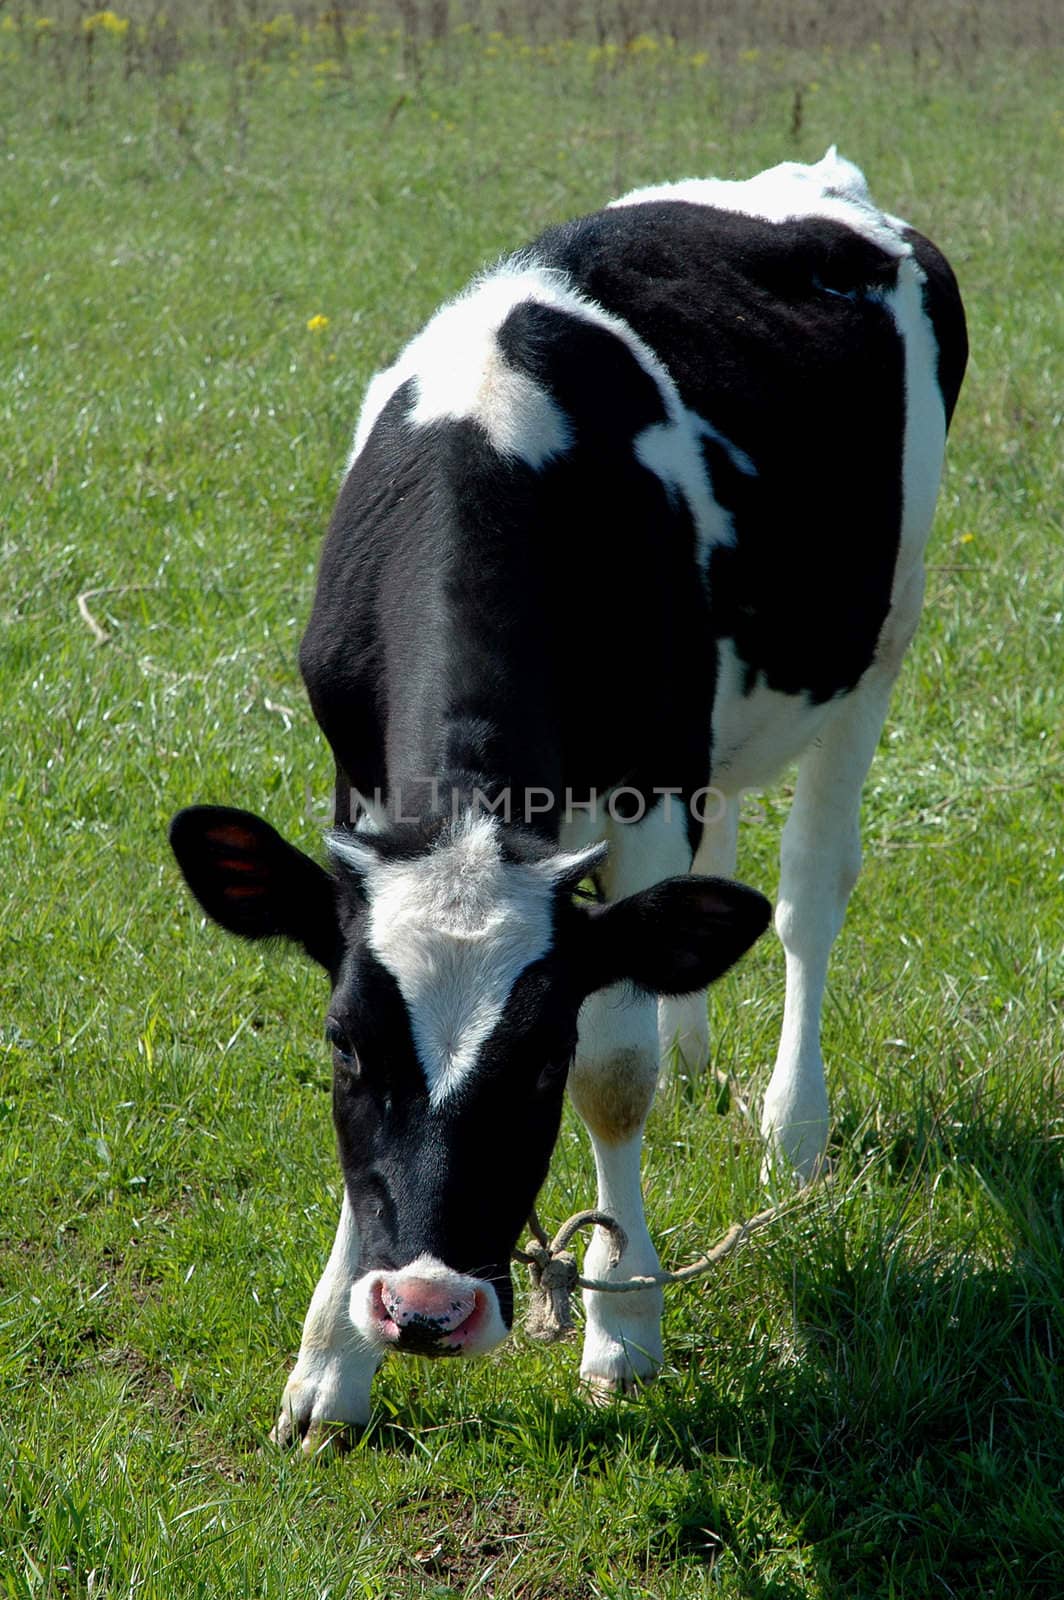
<point x="323" y="1409"/>
<point x="600" y="1392"/>
<point x="783" y="1171"/>
<point x="317" y="1439"/>
<point x="796" y="1135"/>
<point x="618" y="1363"/>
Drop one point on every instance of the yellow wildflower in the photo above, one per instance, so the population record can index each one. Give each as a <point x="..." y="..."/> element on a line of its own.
<point x="107" y="22"/>
<point x="317" y="324"/>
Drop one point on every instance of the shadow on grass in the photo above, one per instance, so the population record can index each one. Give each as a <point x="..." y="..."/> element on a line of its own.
<point x="911" y="1423"/>
<point x="905" y="1434"/>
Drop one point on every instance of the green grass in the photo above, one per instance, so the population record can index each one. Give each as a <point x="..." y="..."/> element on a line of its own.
<point x="867" y="1401"/>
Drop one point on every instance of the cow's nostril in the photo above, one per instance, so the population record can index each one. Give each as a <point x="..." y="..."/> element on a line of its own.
<point x="428" y="1304"/>
<point x="427" y="1309"/>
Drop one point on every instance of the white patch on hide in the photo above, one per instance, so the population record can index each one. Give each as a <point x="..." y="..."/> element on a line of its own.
<point x="924" y="444"/>
<point x="459" y="371"/>
<point x="832" y="188"/>
<point x="756" y="734"/>
<point x="672" y="451"/>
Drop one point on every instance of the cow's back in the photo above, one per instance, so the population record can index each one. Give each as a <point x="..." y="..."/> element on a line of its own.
<point x="686" y="440"/>
<point x="787" y="340"/>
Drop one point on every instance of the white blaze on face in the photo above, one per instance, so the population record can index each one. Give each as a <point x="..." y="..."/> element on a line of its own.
<point x="455" y="927"/>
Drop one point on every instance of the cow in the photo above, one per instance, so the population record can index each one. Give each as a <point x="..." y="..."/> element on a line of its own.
<point x="632" y="524"/>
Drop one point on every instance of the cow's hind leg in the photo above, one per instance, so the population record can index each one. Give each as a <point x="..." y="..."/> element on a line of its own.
<point x="683" y="1023"/>
<point x="330" y="1382"/>
<point x="820" y="858"/>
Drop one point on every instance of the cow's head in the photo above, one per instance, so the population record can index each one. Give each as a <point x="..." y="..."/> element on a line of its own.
<point x="459" y="960"/>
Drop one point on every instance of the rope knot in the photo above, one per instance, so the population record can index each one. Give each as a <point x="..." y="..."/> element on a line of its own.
<point x="550" y="1309"/>
<point x="558" y="1275"/>
<point x="553" y="1271"/>
<point x="554" y="1274"/>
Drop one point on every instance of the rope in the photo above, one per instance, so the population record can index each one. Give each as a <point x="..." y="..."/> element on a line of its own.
<point x="553" y="1271"/>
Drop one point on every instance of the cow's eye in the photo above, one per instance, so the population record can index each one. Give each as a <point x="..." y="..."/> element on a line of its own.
<point x="340" y="1043"/>
<point x="553" y="1072"/>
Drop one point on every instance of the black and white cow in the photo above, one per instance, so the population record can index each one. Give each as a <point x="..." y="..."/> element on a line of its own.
<point x="642" y="511"/>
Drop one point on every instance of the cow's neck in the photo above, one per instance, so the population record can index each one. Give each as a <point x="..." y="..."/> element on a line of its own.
<point x="496" y="757"/>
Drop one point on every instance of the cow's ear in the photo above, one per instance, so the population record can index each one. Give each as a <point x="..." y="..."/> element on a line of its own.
<point x="674" y="938"/>
<point x="254" y="883"/>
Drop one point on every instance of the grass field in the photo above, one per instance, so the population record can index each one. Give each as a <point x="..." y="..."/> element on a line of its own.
<point x="214" y="230"/>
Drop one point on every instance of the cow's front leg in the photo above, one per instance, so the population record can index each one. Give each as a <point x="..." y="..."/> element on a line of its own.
<point x="612" y="1086"/>
<point x="330" y="1382"/>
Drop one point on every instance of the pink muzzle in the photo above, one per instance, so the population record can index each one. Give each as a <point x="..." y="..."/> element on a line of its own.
<point x="427" y="1309"/>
